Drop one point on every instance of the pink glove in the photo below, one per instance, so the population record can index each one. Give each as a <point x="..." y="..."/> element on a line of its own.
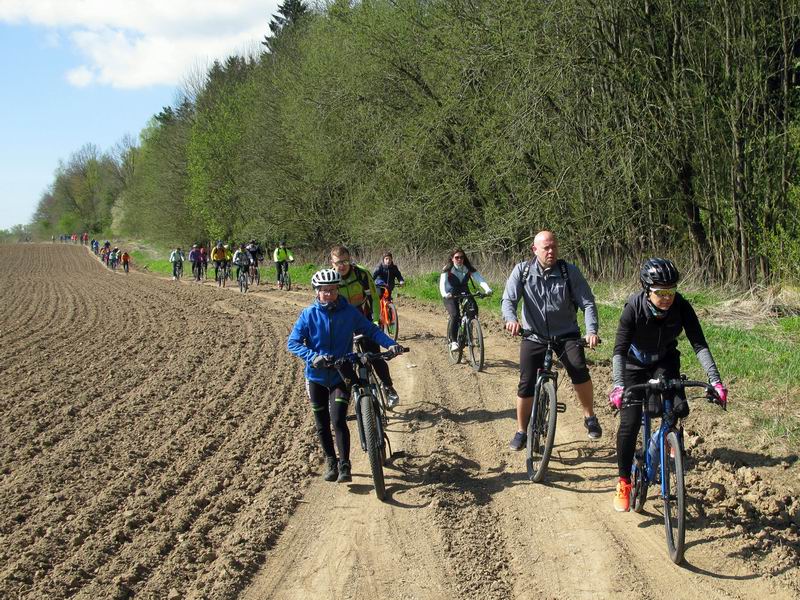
<point x="615" y="397"/>
<point x="722" y="391"/>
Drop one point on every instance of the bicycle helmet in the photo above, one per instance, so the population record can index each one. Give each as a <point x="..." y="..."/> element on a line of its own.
<point x="326" y="277"/>
<point x="658" y="272"/>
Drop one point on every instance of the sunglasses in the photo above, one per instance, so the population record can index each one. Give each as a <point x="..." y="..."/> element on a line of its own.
<point x="340" y="263"/>
<point x="667" y="293"/>
<point x="458" y="257"/>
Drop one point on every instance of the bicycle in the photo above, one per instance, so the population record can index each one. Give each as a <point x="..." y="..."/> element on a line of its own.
<point x="389" y="320"/>
<point x="243" y="280"/>
<point x="370" y="414"/>
<point x="255" y="276"/>
<point x="666" y="454"/>
<point x="541" y="429"/>
<point x="178" y="270"/>
<point x="284" y="279"/>
<point x="470" y="334"/>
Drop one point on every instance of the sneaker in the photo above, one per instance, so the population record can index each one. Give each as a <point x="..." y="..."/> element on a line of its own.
<point x="392" y="398"/>
<point x="453" y="346"/>
<point x="344" y="472"/>
<point x="593" y="427"/>
<point x="331" y="470"/>
<point x="622" y="499"/>
<point x="519" y="441"/>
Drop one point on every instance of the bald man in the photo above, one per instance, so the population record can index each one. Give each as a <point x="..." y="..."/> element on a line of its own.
<point x="551" y="294"/>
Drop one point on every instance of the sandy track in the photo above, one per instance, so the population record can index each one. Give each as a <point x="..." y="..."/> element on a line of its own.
<point x="156" y="443"/>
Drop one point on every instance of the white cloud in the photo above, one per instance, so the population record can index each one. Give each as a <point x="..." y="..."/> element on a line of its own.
<point x="134" y="44"/>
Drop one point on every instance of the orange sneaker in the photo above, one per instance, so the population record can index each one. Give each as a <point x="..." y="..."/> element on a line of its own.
<point x="622" y="499"/>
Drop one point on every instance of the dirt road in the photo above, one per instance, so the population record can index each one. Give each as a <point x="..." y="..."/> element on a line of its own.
<point x="156" y="443"/>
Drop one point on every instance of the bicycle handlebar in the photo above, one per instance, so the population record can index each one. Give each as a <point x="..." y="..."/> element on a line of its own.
<point x="470" y="295"/>
<point x="555" y="340"/>
<point x="356" y="357"/>
<point x="664" y="385"/>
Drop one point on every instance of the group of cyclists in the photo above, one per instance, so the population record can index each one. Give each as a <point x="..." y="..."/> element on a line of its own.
<point x="551" y="291"/>
<point x="246" y="257"/>
<point x="112" y="257"/>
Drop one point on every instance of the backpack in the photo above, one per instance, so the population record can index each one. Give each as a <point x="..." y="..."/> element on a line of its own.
<point x="562" y="266"/>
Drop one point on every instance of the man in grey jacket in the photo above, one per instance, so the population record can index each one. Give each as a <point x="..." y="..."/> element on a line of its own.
<point x="550" y="303"/>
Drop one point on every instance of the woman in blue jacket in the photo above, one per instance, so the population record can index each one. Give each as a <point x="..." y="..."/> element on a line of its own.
<point x="324" y="331"/>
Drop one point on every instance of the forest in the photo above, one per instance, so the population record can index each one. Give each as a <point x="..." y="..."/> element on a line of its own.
<point x="630" y="128"/>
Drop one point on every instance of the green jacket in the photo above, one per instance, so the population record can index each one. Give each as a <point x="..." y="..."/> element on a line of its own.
<point x="282" y="254"/>
<point x="359" y="290"/>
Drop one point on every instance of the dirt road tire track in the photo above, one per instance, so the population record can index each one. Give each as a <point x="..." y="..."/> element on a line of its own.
<point x="157" y="443"/>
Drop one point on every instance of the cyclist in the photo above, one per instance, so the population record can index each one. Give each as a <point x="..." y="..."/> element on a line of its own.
<point x="551" y="291"/>
<point x="282" y="256"/>
<point x="194" y="258"/>
<point x="242" y="260"/>
<point x="646" y="347"/>
<point x="176" y="258"/>
<point x="358" y="288"/>
<point x="313" y="340"/>
<point x="454" y="280"/>
<point x="388" y="272"/>
<point x="256" y="254"/>
<point x="203" y="260"/>
<point x="218" y="256"/>
<point x="125" y="259"/>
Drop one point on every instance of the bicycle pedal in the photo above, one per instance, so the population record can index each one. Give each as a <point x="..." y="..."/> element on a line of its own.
<point x="561" y="407"/>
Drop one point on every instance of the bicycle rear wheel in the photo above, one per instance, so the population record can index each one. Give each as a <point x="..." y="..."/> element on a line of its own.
<point x="638" y="481"/>
<point x="541" y="431"/>
<point x="475" y="341"/>
<point x="374" y="444"/>
<point x="675" y="500"/>
<point x="392" y="326"/>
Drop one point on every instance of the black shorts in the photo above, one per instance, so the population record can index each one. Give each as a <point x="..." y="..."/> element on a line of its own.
<point x="531" y="359"/>
<point x="320" y="395"/>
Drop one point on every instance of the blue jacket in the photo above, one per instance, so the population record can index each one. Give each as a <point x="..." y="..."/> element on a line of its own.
<point x="329" y="330"/>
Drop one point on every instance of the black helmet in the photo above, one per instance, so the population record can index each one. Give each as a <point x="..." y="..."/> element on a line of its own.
<point x="658" y="271"/>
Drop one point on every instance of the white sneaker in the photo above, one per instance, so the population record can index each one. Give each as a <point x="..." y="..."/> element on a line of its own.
<point x="453" y="346"/>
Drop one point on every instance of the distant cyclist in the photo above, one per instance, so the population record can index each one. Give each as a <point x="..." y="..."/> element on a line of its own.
<point x="454" y="280"/>
<point x="324" y="331"/>
<point x="256" y="254"/>
<point x="282" y="256"/>
<point x="125" y="259"/>
<point x="242" y="260"/>
<point x="203" y="260"/>
<point x="176" y="257"/>
<point x="359" y="289"/>
<point x="647" y="347"/>
<point x="196" y="260"/>
<point x="218" y="256"/>
<point x="388" y="272"/>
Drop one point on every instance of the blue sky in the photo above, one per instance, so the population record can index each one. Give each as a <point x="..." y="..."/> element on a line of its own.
<point x="74" y="72"/>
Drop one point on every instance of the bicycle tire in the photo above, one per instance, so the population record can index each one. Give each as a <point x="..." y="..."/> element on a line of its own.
<point x="258" y="276"/>
<point x="243" y="283"/>
<point x="541" y="432"/>
<point x="475" y="341"/>
<point x="392" y="325"/>
<point x="380" y="392"/>
<point x="639" y="482"/>
<point x="373" y="443"/>
<point x="287" y="282"/>
<point x="675" y="500"/>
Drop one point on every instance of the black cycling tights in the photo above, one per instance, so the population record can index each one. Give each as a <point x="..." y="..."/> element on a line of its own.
<point x="330" y="408"/>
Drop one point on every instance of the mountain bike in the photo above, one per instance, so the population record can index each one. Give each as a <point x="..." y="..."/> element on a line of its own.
<point x="541" y="429"/>
<point x="389" y="320"/>
<point x="178" y="270"/>
<point x="666" y="461"/>
<point x="255" y="276"/>
<point x="470" y="334"/>
<point x="220" y="274"/>
<point x="243" y="280"/>
<point x="284" y="279"/>
<point x="371" y="431"/>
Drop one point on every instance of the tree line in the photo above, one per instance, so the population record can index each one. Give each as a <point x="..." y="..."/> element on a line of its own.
<point x="631" y="128"/>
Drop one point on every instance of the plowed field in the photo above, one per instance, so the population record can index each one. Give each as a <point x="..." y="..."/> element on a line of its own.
<point x="156" y="442"/>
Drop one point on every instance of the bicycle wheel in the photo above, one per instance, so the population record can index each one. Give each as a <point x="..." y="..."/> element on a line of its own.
<point x="287" y="281"/>
<point x="374" y="444"/>
<point x="392" y="325"/>
<point x="243" y="282"/>
<point x="675" y="498"/>
<point x="541" y="431"/>
<point x="455" y="355"/>
<point x="638" y="482"/>
<point x="258" y="276"/>
<point x="475" y="341"/>
<point x="380" y="392"/>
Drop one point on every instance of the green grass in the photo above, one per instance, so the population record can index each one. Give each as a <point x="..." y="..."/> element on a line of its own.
<point x="154" y="265"/>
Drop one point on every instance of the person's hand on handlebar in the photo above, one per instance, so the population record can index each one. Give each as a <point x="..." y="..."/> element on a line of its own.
<point x="321" y="361"/>
<point x="513" y="327"/>
<point x="396" y="350"/>
<point x="592" y="340"/>
<point x="722" y="393"/>
<point x="615" y="397"/>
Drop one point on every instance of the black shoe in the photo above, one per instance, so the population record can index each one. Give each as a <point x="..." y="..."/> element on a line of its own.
<point x="331" y="470"/>
<point x="519" y="441"/>
<point x="593" y="427"/>
<point x="344" y="472"/>
<point x="392" y="397"/>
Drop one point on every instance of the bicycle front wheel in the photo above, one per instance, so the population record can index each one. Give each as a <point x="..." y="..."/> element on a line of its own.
<point x="541" y="431"/>
<point x="374" y="443"/>
<point x="392" y="324"/>
<point x="475" y="340"/>
<point x="674" y="498"/>
<point x="288" y="282"/>
<point x="243" y="283"/>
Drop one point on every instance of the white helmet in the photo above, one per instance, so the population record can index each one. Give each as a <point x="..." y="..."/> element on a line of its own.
<point x="326" y="277"/>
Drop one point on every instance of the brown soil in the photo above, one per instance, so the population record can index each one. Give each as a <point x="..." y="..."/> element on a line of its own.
<point x="155" y="441"/>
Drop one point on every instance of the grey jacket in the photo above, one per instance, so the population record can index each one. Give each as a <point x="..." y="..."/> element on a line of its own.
<point x="547" y="307"/>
